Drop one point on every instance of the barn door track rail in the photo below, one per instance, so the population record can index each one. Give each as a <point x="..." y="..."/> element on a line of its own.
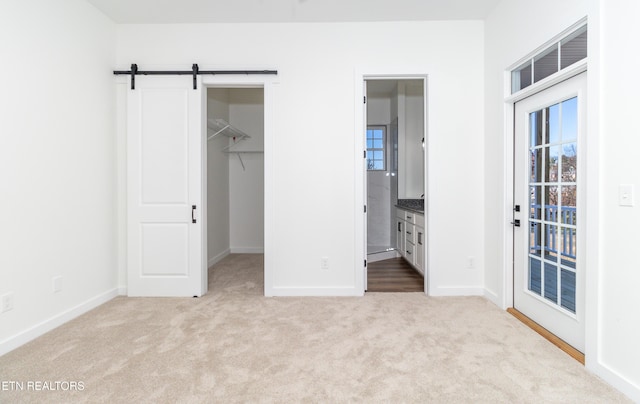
<point x="195" y="71"/>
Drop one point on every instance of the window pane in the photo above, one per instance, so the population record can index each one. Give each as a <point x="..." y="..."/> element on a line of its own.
<point x="376" y="148"/>
<point x="551" y="242"/>
<point x="573" y="48"/>
<point x="568" y="244"/>
<point x="569" y="162"/>
<point x="535" y="204"/>
<point x="551" y="204"/>
<point x="551" y="282"/>
<point x="569" y="197"/>
<point x="535" y="281"/>
<point x="521" y="78"/>
<point x="570" y="119"/>
<point x="568" y="290"/>
<point x="552" y="157"/>
<point x="535" y="119"/>
<point x="536" y="165"/>
<point x="553" y="124"/>
<point x="545" y="64"/>
<point x="535" y="240"/>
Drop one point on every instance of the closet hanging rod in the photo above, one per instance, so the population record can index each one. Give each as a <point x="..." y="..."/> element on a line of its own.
<point x="195" y="70"/>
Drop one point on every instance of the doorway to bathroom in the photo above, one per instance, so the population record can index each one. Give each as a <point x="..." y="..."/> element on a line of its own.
<point x="395" y="139"/>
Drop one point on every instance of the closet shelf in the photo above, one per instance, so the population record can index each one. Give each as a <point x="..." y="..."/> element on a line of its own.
<point x="217" y="127"/>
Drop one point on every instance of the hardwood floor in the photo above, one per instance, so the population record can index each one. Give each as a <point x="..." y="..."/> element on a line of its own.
<point x="393" y="275"/>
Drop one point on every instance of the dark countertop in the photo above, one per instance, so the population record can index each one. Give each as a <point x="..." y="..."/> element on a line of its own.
<point x="414" y="205"/>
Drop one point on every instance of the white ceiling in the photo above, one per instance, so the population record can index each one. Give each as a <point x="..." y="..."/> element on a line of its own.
<point x="239" y="11"/>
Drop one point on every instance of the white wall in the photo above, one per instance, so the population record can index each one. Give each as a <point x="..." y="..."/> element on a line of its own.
<point x="612" y="330"/>
<point x="57" y="163"/>
<point x="414" y="105"/>
<point x="618" y="275"/>
<point x="313" y="161"/>
<point x="217" y="180"/>
<point x="246" y="186"/>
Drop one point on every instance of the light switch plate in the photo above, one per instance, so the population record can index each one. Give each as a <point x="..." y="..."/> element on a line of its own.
<point x="625" y="195"/>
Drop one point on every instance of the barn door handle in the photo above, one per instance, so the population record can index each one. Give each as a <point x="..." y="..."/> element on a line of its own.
<point x="193" y="213"/>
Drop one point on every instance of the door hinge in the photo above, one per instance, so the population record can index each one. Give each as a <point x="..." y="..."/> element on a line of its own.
<point x="193" y="213"/>
<point x="365" y="208"/>
<point x="365" y="263"/>
<point x="364" y="155"/>
<point x="365" y="99"/>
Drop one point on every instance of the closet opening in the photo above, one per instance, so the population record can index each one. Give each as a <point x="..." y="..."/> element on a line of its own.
<point x="235" y="178"/>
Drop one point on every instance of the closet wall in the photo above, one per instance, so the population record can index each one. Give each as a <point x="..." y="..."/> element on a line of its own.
<point x="246" y="185"/>
<point x="235" y="189"/>
<point x="217" y="180"/>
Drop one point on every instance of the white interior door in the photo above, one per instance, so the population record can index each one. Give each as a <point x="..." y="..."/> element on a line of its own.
<point x="164" y="163"/>
<point x="366" y="191"/>
<point x="549" y="202"/>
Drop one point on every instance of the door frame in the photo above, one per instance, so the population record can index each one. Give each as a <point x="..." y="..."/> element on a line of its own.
<point x="575" y="86"/>
<point x="591" y="239"/>
<point x="360" y="174"/>
<point x="269" y="85"/>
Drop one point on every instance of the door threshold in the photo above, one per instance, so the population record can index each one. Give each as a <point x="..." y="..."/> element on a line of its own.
<point x="554" y="339"/>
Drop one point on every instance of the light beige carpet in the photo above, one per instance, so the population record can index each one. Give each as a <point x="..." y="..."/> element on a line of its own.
<point x="234" y="345"/>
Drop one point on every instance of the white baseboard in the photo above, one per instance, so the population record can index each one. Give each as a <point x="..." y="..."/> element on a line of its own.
<point x="615" y="379"/>
<point x="217" y="258"/>
<point x="493" y="298"/>
<point x="45" y="326"/>
<point x="122" y="291"/>
<point x="302" y="292"/>
<point x="247" y="250"/>
<point x="457" y="291"/>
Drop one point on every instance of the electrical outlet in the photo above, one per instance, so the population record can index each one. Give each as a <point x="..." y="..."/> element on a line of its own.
<point x="7" y="302"/>
<point x="471" y="262"/>
<point x="625" y="195"/>
<point x="324" y="263"/>
<point x="57" y="284"/>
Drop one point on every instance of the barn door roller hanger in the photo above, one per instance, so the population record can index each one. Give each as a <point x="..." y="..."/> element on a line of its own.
<point x="194" y="72"/>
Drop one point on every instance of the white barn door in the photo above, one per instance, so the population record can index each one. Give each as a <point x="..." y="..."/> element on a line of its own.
<point x="164" y="171"/>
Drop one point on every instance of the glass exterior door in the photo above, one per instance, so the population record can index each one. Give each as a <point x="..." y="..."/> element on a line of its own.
<point x="548" y="283"/>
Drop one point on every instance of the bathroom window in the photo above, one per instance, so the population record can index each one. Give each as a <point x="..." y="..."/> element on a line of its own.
<point x="376" y="150"/>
